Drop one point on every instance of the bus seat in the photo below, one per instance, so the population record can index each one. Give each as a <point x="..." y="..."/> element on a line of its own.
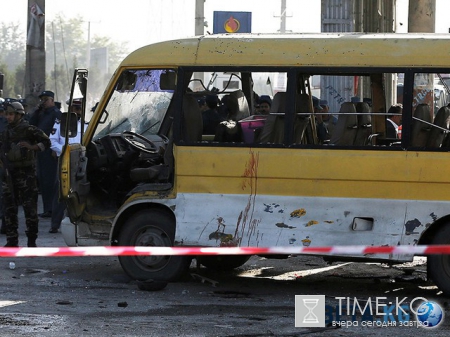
<point x="345" y="131"/>
<point x="279" y="102"/>
<point x="303" y="105"/>
<point x="364" y="119"/>
<point x="229" y="130"/>
<point x="273" y="130"/>
<point x="230" y="107"/>
<point x="244" y="110"/>
<point x="420" y="130"/>
<point x="193" y="121"/>
<point x="442" y="120"/>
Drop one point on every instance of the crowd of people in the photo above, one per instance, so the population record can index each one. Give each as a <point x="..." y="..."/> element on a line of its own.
<point x="30" y="146"/>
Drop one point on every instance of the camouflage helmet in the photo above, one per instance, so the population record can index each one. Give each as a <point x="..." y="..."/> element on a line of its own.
<point x="15" y="107"/>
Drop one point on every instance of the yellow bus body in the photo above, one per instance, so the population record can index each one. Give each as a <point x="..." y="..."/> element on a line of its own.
<point x="287" y="193"/>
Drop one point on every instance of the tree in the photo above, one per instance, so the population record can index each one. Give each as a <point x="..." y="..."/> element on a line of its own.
<point x="12" y="55"/>
<point x="8" y="82"/>
<point x="12" y="45"/>
<point x="66" y="47"/>
<point x="66" y="50"/>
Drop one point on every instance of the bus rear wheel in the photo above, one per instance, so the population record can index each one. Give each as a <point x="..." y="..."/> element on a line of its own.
<point x="151" y="229"/>
<point x="438" y="265"/>
<point x="223" y="262"/>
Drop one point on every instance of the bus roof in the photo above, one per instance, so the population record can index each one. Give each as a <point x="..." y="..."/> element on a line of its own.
<point x="325" y="49"/>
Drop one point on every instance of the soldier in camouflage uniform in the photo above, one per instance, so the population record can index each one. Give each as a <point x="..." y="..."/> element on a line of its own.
<point x="20" y="141"/>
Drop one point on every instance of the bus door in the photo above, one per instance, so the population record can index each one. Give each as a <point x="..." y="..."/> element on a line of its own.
<point x="74" y="186"/>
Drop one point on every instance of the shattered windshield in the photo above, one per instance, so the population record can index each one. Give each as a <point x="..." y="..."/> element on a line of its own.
<point x="139" y="102"/>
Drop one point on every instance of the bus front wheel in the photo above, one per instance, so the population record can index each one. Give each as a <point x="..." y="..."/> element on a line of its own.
<point x="438" y="265"/>
<point x="151" y="229"/>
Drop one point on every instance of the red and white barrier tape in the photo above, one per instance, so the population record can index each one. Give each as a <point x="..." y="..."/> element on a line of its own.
<point x="127" y="250"/>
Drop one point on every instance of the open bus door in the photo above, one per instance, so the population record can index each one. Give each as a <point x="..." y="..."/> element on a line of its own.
<point x="74" y="185"/>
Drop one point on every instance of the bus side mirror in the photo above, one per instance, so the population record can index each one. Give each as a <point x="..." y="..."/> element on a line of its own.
<point x="72" y="132"/>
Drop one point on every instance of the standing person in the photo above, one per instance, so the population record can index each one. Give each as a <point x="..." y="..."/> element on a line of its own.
<point x="57" y="142"/>
<point x="325" y="130"/>
<point x="202" y="104"/>
<point x="264" y="105"/>
<point x="3" y="124"/>
<point x="211" y="116"/>
<point x="20" y="141"/>
<point x="229" y="130"/>
<point x="44" y="118"/>
<point x="321" y="127"/>
<point x="393" y="120"/>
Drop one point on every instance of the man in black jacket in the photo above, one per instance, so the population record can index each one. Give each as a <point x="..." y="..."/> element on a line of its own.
<point x="44" y="118"/>
<point x="394" y="120"/>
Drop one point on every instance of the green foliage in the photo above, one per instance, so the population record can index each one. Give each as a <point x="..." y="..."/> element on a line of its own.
<point x="12" y="45"/>
<point x="19" y="78"/>
<point x="8" y="82"/>
<point x="66" y="49"/>
<point x="67" y="45"/>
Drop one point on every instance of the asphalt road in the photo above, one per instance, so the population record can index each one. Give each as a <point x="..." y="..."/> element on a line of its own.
<point x="91" y="296"/>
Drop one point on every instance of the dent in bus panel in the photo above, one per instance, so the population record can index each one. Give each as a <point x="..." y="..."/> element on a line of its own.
<point x="362" y="224"/>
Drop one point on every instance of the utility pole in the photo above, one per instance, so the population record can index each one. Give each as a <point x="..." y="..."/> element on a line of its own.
<point x="88" y="51"/>
<point x="421" y="19"/>
<point x="88" y="48"/>
<point x="35" y="53"/>
<point x="282" y="17"/>
<point x="199" y="27"/>
<point x="199" y="17"/>
<point x="421" y="16"/>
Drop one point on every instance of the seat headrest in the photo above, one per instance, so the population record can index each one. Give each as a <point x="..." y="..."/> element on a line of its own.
<point x="362" y="107"/>
<point x="423" y="112"/>
<point x="303" y="103"/>
<point x="279" y="102"/>
<point x="348" y="107"/>
<point x="244" y="110"/>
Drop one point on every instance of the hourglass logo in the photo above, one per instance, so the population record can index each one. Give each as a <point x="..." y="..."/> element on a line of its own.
<point x="309" y="310"/>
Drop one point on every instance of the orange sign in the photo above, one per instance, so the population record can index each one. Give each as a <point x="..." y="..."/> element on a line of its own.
<point x="231" y="25"/>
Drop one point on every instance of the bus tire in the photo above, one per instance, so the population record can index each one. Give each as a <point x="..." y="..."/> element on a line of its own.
<point x="438" y="265"/>
<point x="223" y="262"/>
<point x="151" y="229"/>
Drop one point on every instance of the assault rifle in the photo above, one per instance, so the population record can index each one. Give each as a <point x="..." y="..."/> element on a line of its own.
<point x="6" y="168"/>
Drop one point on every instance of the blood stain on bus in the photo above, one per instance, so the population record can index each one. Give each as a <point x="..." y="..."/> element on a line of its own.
<point x="283" y="225"/>
<point x="251" y="173"/>
<point x="252" y="228"/>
